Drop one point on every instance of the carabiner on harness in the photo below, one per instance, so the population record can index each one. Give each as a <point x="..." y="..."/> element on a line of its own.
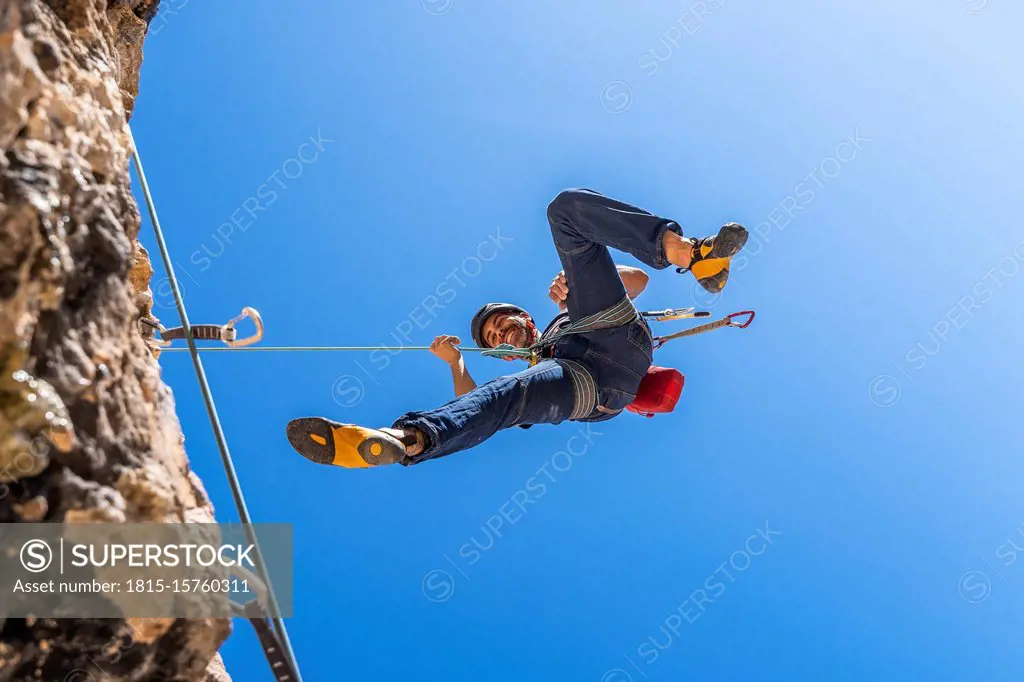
<point x="507" y="350"/>
<point x="675" y="314"/>
<point x="209" y="332"/>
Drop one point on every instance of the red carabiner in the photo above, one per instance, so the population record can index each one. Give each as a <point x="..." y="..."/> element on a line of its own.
<point x="741" y="325"/>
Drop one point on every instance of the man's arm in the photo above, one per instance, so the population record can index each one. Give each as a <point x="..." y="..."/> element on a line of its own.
<point x="460" y="377"/>
<point x="445" y="347"/>
<point x="634" y="279"/>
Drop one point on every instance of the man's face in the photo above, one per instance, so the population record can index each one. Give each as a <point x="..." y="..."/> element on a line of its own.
<point x="513" y="328"/>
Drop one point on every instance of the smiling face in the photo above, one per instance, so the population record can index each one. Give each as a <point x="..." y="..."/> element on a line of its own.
<point x="516" y="329"/>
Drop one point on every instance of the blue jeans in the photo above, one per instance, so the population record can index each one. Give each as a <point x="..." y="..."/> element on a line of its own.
<point x="593" y="376"/>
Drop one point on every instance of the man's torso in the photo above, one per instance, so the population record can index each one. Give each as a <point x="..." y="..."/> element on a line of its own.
<point x="616" y="358"/>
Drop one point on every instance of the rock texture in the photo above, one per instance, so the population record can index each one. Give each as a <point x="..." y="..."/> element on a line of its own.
<point x="87" y="429"/>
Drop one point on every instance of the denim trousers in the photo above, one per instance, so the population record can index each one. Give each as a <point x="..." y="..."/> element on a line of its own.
<point x="593" y="375"/>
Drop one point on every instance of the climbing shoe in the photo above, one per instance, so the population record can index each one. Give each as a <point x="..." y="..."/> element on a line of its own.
<point x="344" y="445"/>
<point x="711" y="256"/>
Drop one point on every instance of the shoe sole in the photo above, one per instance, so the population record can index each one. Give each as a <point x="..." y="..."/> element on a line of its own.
<point x="715" y="266"/>
<point x="731" y="238"/>
<point x="349" y="446"/>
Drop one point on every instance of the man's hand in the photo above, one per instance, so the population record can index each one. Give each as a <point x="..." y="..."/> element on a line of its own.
<point x="559" y="291"/>
<point x="445" y="347"/>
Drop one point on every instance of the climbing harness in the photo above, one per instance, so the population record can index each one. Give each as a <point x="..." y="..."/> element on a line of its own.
<point x="272" y="633"/>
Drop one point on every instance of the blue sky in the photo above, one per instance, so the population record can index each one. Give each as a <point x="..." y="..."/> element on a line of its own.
<point x="838" y="494"/>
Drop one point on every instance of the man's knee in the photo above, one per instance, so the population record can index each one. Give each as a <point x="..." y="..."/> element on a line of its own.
<point x="561" y="216"/>
<point x="563" y="205"/>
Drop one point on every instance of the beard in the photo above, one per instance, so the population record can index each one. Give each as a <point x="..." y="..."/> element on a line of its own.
<point x="517" y="331"/>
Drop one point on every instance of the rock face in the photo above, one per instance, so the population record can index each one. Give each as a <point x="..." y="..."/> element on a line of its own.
<point x="87" y="429"/>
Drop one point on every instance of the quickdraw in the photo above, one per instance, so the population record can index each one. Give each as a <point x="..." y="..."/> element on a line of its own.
<point x="727" y="321"/>
<point x="209" y="332"/>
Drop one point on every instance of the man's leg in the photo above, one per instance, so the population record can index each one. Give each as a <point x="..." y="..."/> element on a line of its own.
<point x="584" y="224"/>
<point x="548" y="393"/>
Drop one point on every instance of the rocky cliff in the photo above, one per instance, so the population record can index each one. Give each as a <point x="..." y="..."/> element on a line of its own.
<point x="87" y="429"/>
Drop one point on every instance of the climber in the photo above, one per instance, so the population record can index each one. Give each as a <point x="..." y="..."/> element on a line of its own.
<point x="585" y="376"/>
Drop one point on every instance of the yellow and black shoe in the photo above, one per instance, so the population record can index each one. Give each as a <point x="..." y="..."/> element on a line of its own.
<point x="344" y="445"/>
<point x="711" y="256"/>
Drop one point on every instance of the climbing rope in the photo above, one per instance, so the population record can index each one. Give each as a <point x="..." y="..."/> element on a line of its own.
<point x="228" y="334"/>
<point x="280" y="632"/>
<point x="211" y="349"/>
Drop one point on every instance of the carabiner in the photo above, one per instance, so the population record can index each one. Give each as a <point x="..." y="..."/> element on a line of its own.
<point x="741" y="325"/>
<point x="229" y="333"/>
<point x="676" y="314"/>
<point x="507" y="350"/>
